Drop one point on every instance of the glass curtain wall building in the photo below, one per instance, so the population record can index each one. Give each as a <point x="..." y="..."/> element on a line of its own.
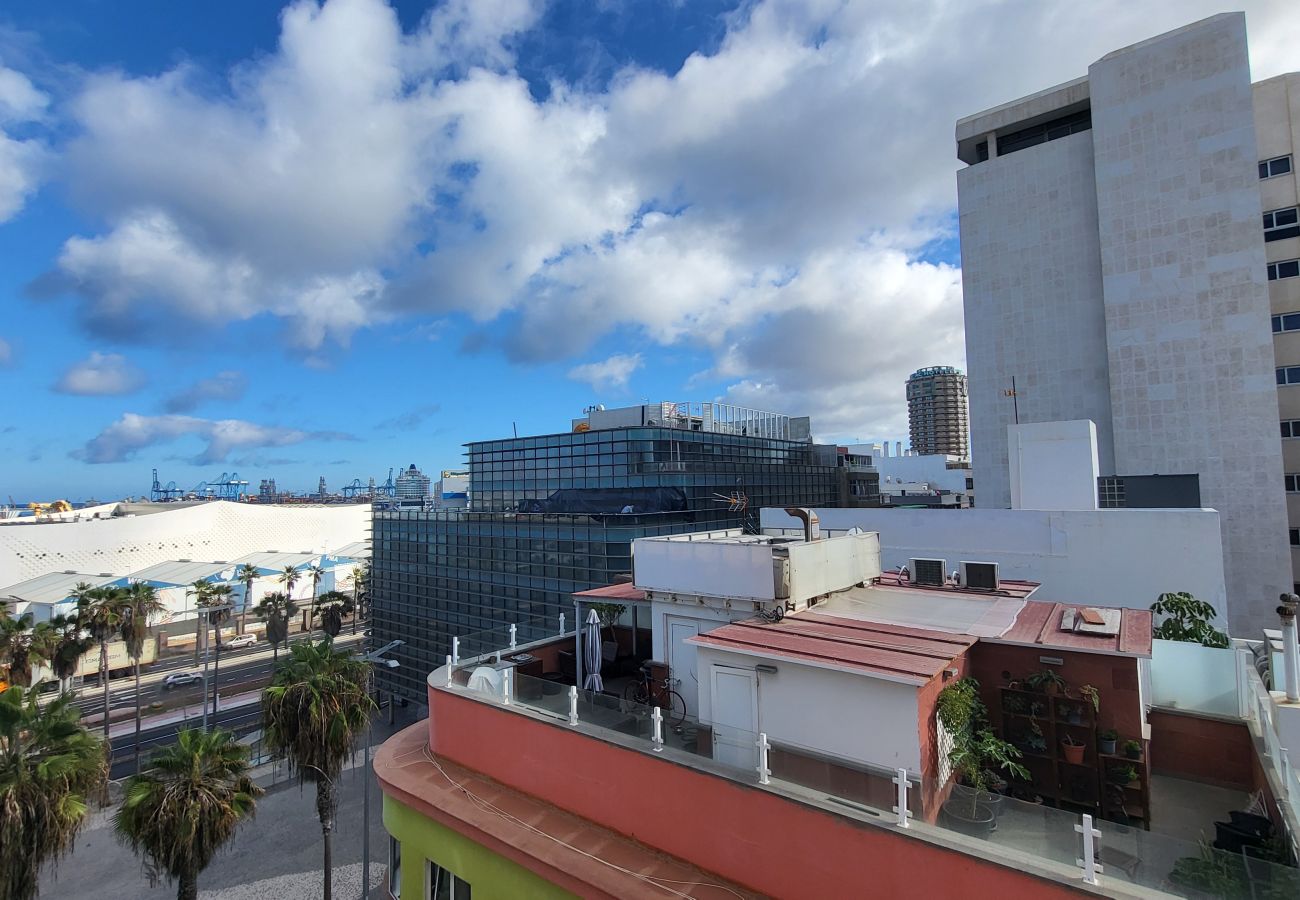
<point x="554" y="514"/>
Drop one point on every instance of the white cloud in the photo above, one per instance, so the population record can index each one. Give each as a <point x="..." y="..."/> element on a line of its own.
<point x="224" y="386"/>
<point x="20" y="160"/>
<point x="608" y="374"/>
<point x="767" y="203"/>
<point x="101" y="375"/>
<point x="132" y="433"/>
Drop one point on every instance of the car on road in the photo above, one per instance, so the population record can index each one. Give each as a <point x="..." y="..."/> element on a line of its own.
<point x="180" y="679"/>
<point x="239" y="640"/>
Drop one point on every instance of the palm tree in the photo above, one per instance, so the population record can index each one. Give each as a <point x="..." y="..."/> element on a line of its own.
<point x="199" y="590"/>
<point x="331" y="608"/>
<point x="289" y="577"/>
<point x="247" y="574"/>
<point x="360" y="587"/>
<point x="49" y="765"/>
<point x="178" y="814"/>
<point x="102" y="619"/>
<point x="142" y="606"/>
<point x="70" y="645"/>
<point x="312" y="713"/>
<point x="23" y="644"/>
<point x="315" y="573"/>
<point x="276" y="609"/>
<point x="217" y="602"/>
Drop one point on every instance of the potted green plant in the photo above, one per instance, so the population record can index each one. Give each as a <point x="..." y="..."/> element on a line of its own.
<point x="977" y="758"/>
<point x="1107" y="739"/>
<point x="1133" y="749"/>
<point x="1122" y="775"/>
<point x="1184" y="618"/>
<point x="1073" y="750"/>
<point x="1090" y="694"/>
<point x="1046" y="682"/>
<point x="1014" y="704"/>
<point x="1035" y="742"/>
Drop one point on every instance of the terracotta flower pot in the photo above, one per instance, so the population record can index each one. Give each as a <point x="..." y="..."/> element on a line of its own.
<point x="1073" y="753"/>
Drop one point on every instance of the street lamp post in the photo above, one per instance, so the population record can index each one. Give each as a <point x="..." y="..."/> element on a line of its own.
<point x="374" y="658"/>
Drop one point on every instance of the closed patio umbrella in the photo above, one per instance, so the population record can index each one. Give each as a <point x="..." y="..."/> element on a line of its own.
<point x="591" y="653"/>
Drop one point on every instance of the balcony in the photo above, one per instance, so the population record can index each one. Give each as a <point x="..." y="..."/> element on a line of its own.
<point x="696" y="790"/>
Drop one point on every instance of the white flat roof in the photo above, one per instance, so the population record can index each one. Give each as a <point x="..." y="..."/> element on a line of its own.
<point x="953" y="613"/>
<point x="354" y="550"/>
<point x="276" y="561"/>
<point x="179" y="572"/>
<point x="53" y="587"/>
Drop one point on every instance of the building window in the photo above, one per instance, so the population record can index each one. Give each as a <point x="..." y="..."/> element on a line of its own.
<point x="1043" y="132"/>
<point x="1281" y="223"/>
<point x="1291" y="428"/>
<point x="1287" y="268"/>
<point x="394" y="867"/>
<point x="1286" y="322"/>
<point x="443" y="885"/>
<point x="1292" y="483"/>
<point x="1295" y="537"/>
<point x="1278" y="165"/>
<point x="1288" y="375"/>
<point x="1111" y="493"/>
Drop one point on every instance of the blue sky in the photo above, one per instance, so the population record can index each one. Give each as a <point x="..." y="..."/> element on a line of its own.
<point x="327" y="239"/>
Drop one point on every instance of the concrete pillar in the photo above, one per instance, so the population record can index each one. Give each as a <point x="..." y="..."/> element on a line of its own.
<point x="1290" y="651"/>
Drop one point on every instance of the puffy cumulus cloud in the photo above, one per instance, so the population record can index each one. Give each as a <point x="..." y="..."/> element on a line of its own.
<point x="224" y="386"/>
<point x="608" y="374"/>
<point x="21" y="160"/>
<point x="770" y="201"/>
<point x="843" y="356"/>
<point x="132" y="433"/>
<point x="101" y="375"/>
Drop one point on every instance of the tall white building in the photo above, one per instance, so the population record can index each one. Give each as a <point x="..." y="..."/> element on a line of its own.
<point x="1114" y="264"/>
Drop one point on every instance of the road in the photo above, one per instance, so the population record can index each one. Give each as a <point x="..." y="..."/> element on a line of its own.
<point x="241" y="672"/>
<point x="121" y="690"/>
<point x="276" y="855"/>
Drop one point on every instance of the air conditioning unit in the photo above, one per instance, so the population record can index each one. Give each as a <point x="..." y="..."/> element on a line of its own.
<point x="978" y="576"/>
<point x="929" y="572"/>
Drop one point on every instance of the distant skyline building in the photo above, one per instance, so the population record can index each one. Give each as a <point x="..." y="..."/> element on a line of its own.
<point x="557" y="513"/>
<point x="412" y="484"/>
<point x="936" y="412"/>
<point x="1114" y="265"/>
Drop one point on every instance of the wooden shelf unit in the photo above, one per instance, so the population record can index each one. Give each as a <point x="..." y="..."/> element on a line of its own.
<point x="1055" y="779"/>
<point x="1131" y="801"/>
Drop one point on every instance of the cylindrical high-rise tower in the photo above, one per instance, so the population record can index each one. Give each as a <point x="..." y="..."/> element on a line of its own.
<point x="936" y="411"/>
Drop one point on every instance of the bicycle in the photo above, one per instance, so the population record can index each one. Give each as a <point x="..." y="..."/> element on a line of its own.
<point x="646" y="692"/>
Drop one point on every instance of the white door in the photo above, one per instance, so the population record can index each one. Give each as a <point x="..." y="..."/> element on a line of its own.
<point x="734" y="693"/>
<point x="681" y="661"/>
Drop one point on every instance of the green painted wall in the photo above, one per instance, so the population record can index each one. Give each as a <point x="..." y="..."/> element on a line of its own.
<point x="491" y="877"/>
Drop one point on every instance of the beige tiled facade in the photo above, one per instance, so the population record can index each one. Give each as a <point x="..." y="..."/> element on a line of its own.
<point x="1277" y="132"/>
<point x="1114" y="263"/>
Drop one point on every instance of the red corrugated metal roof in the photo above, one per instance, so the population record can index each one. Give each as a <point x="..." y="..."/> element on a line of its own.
<point x="625" y="591"/>
<point x="913" y="655"/>
<point x="1007" y="587"/>
<point x="1040" y="624"/>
